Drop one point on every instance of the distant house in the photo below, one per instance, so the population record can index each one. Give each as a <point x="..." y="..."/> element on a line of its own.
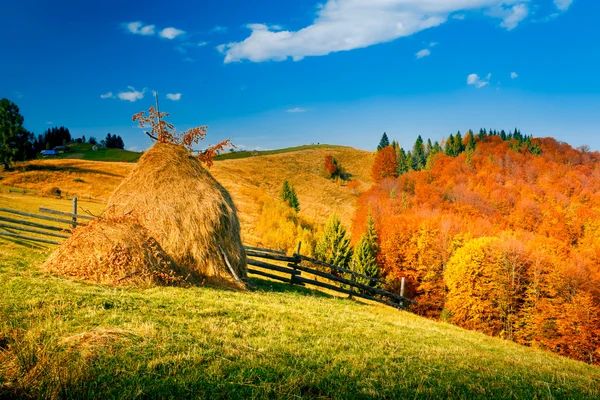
<point x="61" y="149"/>
<point x="95" y="148"/>
<point x="47" y="153"/>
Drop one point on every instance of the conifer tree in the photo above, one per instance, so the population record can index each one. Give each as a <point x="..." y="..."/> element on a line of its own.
<point x="384" y="142"/>
<point x="402" y="162"/>
<point x="418" y="154"/>
<point x="471" y="143"/>
<point x="288" y="195"/>
<point x="448" y="146"/>
<point x="365" y="253"/>
<point x="334" y="246"/>
<point x="458" y="146"/>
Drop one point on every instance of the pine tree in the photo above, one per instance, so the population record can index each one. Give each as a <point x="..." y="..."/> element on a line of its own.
<point x="288" y="195"/>
<point x="418" y="153"/>
<point x="448" y="146"/>
<point x="402" y="162"/>
<point x="471" y="143"/>
<point x="384" y="142"/>
<point x="458" y="146"/>
<point x="334" y="247"/>
<point x="364" y="260"/>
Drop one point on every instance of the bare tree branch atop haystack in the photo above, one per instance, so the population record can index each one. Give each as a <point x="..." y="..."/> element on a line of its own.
<point x="165" y="132"/>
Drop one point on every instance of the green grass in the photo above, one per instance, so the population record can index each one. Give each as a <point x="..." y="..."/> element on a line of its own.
<point x="84" y="151"/>
<point x="62" y="338"/>
<point x="245" y="154"/>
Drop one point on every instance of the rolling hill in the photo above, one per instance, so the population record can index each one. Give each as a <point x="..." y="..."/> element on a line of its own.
<point x="249" y="179"/>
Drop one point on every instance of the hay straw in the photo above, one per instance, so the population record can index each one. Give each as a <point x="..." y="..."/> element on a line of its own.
<point x="118" y="252"/>
<point x="186" y="210"/>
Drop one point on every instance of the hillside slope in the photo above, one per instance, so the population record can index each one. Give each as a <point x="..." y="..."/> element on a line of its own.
<point x="248" y="179"/>
<point x="65" y="338"/>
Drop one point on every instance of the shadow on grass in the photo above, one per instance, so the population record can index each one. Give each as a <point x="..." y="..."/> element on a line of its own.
<point x="265" y="285"/>
<point x="54" y="168"/>
<point x="25" y="243"/>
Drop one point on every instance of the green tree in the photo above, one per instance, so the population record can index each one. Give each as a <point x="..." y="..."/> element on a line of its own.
<point x="288" y="195"/>
<point x="384" y="142"/>
<point x="365" y="254"/>
<point x="11" y="132"/>
<point x="418" y="154"/>
<point x="334" y="246"/>
<point x="402" y="162"/>
<point x="471" y="143"/>
<point x="448" y="146"/>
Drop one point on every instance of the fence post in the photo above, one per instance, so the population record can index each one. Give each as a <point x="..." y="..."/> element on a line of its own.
<point x="353" y="278"/>
<point x="293" y="277"/>
<point x="402" y="290"/>
<point x="74" y="212"/>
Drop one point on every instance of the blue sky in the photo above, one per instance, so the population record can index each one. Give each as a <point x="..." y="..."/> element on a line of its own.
<point x="271" y="74"/>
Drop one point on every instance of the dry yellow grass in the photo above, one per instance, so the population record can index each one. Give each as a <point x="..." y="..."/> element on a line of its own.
<point x="250" y="181"/>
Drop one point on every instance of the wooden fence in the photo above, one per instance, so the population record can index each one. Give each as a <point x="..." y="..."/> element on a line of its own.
<point x="302" y="270"/>
<point x="18" y="224"/>
<point x="297" y="269"/>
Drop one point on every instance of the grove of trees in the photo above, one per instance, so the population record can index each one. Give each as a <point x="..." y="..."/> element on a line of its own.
<point x="495" y="232"/>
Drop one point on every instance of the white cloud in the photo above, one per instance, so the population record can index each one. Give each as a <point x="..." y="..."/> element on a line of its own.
<point x="131" y="95"/>
<point x="433" y="44"/>
<point x="563" y="5"/>
<point x="202" y="44"/>
<point x="478" y="82"/>
<point x="423" y="53"/>
<point x="108" y="95"/>
<point x="511" y="16"/>
<point x="171" y="33"/>
<point x="48" y="122"/>
<point x="514" y="75"/>
<point x="174" y="96"/>
<point x="460" y="17"/>
<point x="296" y="110"/>
<point x="138" y="28"/>
<point x="342" y="25"/>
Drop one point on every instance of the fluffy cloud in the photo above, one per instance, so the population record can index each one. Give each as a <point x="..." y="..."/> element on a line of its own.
<point x="423" y="53"/>
<point x="478" y="82"/>
<point x="296" y="110"/>
<point x="131" y="94"/>
<point x="563" y="5"/>
<point x="108" y="95"/>
<point x="174" y="96"/>
<point x="342" y="25"/>
<point x="170" y="33"/>
<point x="514" y="75"/>
<point x="138" y="28"/>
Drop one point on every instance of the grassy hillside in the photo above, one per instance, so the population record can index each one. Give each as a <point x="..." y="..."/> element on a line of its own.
<point x="248" y="179"/>
<point x="85" y="151"/>
<point x="61" y="338"/>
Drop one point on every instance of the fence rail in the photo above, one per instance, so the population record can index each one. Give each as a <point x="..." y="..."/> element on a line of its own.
<point x="11" y="224"/>
<point x="296" y="274"/>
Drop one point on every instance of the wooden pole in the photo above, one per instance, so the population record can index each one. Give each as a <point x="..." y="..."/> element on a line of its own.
<point x="402" y="290"/>
<point x="74" y="212"/>
<point x="292" y="278"/>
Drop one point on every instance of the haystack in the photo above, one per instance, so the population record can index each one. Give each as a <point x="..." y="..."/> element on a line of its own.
<point x="115" y="252"/>
<point x="186" y="210"/>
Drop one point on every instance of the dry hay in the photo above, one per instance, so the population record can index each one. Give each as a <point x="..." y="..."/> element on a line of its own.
<point x="188" y="212"/>
<point x="115" y="252"/>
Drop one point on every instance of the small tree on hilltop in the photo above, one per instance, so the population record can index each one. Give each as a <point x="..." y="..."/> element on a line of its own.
<point x="288" y="195"/>
<point x="384" y="142"/>
<point x="164" y="132"/>
<point x="334" y="247"/>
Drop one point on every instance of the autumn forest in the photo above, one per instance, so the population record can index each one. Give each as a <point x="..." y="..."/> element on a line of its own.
<point x="495" y="232"/>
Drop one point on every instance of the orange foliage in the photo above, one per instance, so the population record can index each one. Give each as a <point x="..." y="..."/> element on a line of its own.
<point x="385" y="165"/>
<point x="540" y="266"/>
<point x="165" y="132"/>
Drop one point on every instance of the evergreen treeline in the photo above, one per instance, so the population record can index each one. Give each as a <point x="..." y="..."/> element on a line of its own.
<point x="56" y="136"/>
<point x="113" y="142"/>
<point x="421" y="155"/>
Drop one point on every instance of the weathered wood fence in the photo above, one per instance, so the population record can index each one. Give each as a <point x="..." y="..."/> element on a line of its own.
<point x="302" y="270"/>
<point x="297" y="269"/>
<point x="19" y="224"/>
